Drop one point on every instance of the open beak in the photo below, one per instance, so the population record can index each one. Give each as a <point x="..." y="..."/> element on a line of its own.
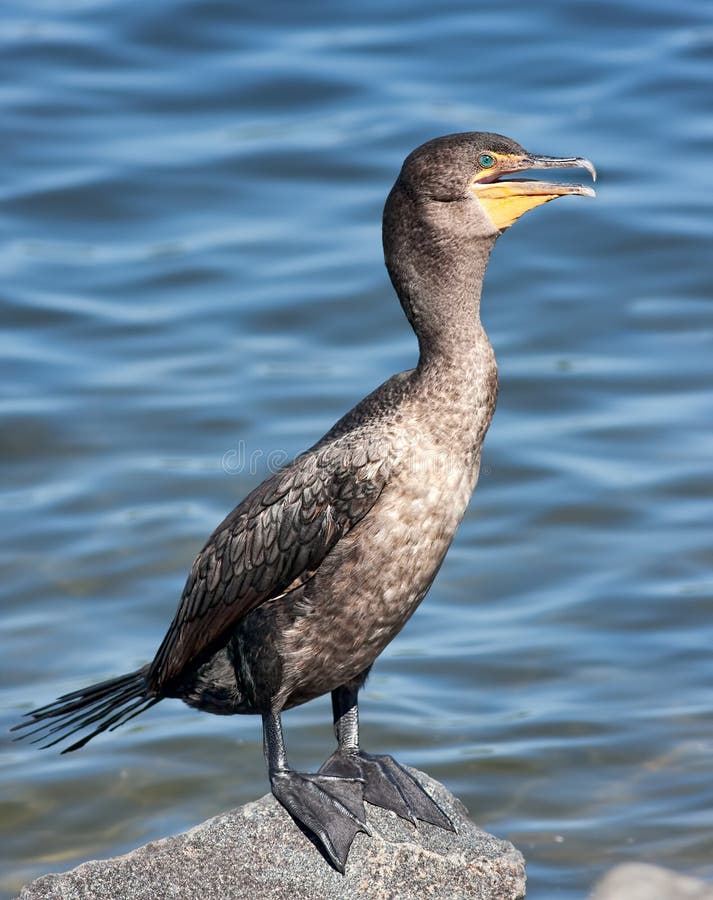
<point x="505" y="200"/>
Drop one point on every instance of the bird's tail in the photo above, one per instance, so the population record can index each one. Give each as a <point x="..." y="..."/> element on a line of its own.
<point x="108" y="705"/>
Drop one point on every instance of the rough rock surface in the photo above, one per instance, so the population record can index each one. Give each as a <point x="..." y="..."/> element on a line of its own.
<point x="257" y="851"/>
<point x="640" y="881"/>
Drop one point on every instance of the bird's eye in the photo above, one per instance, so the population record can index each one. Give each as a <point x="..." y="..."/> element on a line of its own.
<point x="486" y="160"/>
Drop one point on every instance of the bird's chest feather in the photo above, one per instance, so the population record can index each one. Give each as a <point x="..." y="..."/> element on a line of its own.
<point x="371" y="584"/>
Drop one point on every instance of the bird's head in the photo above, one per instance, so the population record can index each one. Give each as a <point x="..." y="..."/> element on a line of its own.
<point x="478" y="166"/>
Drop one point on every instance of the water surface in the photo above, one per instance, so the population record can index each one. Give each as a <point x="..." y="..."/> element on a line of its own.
<point x="192" y="280"/>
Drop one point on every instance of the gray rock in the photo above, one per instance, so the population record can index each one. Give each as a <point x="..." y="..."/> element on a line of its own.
<point x="258" y="852"/>
<point x="641" y="881"/>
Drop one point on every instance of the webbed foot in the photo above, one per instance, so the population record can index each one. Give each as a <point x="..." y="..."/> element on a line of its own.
<point x="328" y="806"/>
<point x="388" y="785"/>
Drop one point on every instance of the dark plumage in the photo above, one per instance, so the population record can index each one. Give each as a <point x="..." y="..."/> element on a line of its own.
<point x="301" y="587"/>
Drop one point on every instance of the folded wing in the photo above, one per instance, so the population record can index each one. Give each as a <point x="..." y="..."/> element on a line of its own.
<point x="277" y="537"/>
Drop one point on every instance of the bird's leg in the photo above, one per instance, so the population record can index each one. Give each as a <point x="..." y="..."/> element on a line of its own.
<point x="328" y="806"/>
<point x="345" y="710"/>
<point x="386" y="783"/>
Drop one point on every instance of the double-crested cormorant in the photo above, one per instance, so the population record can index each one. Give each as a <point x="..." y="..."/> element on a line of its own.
<point x="305" y="582"/>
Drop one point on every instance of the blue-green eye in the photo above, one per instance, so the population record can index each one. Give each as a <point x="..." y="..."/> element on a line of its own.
<point x="486" y="160"/>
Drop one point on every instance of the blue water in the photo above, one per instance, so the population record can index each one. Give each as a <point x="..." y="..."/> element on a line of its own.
<point x="193" y="288"/>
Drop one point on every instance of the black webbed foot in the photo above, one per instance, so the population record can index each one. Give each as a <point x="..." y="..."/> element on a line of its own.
<point x="329" y="806"/>
<point x="388" y="785"/>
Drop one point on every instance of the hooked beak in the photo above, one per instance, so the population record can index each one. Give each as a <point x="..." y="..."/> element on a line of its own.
<point x="506" y="200"/>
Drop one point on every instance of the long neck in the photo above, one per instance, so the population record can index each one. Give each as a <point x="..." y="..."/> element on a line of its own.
<point x="436" y="256"/>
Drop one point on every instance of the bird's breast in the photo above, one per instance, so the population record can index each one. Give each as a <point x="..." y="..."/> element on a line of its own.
<point x="374" y="579"/>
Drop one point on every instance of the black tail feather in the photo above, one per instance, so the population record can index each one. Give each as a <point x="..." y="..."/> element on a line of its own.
<point x="89" y="711"/>
<point x="110" y="703"/>
<point x="86" y="717"/>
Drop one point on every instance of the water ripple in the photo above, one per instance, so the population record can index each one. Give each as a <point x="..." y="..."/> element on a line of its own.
<point x="192" y="268"/>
